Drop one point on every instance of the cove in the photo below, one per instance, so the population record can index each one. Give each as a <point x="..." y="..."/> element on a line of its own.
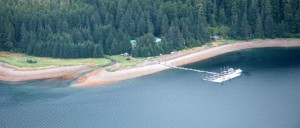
<point x="266" y="95"/>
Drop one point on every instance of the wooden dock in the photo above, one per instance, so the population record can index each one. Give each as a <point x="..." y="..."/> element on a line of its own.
<point x="195" y="70"/>
<point x="225" y="75"/>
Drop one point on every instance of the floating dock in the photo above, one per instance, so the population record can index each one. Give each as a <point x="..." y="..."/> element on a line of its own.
<point x="225" y="75"/>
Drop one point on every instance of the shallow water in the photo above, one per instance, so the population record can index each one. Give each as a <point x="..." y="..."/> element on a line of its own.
<point x="266" y="95"/>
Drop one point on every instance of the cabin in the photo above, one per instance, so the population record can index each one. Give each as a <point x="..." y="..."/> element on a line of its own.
<point x="216" y="38"/>
<point x="125" y="54"/>
<point x="133" y="42"/>
<point x="157" y="39"/>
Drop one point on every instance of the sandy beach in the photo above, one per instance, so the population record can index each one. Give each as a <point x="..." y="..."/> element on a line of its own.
<point x="8" y="73"/>
<point x="101" y="76"/>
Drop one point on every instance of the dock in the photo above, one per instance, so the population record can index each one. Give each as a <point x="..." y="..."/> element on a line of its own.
<point x="221" y="77"/>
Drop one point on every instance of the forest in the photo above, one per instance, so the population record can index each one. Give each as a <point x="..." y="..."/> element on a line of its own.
<point x="93" y="28"/>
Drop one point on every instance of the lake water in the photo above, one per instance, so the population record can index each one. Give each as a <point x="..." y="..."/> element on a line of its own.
<point x="267" y="95"/>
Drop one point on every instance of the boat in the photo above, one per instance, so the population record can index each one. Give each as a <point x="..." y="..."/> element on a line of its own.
<point x="224" y="76"/>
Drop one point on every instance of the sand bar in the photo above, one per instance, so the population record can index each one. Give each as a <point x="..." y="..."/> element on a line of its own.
<point x="8" y="73"/>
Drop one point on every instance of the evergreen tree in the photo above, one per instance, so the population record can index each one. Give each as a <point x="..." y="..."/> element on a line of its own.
<point x="259" y="33"/>
<point x="288" y="17"/>
<point x="115" y="47"/>
<point x="9" y="44"/>
<point x="141" y="27"/>
<point x="125" y="22"/>
<point x="281" y="29"/>
<point x="150" y="27"/>
<point x="222" y="16"/>
<point x="164" y="25"/>
<point x="175" y="36"/>
<point x="126" y="44"/>
<point x="297" y="19"/>
<point x="62" y="29"/>
<point x="211" y="12"/>
<point x="252" y="13"/>
<point x="245" y="27"/>
<point x="98" y="51"/>
<point x="269" y="27"/>
<point x="234" y="27"/>
<point x="108" y="44"/>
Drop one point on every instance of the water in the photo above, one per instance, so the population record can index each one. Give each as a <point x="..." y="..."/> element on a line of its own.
<point x="267" y="95"/>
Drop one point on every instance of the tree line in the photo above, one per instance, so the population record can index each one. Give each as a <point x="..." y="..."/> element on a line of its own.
<point x="92" y="28"/>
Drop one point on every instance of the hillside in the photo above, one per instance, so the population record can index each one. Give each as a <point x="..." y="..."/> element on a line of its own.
<point x="93" y="28"/>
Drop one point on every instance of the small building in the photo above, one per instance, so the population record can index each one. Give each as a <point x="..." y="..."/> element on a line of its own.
<point x="216" y="38"/>
<point x="126" y="54"/>
<point x="133" y="43"/>
<point x="157" y="39"/>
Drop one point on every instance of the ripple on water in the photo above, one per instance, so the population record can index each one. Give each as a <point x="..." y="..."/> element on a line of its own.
<point x="266" y="95"/>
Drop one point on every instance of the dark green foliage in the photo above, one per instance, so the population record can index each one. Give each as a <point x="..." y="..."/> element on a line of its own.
<point x="146" y="46"/>
<point x="245" y="30"/>
<point x="31" y="61"/>
<point x="234" y="27"/>
<point x="98" y="51"/>
<point x="258" y="32"/>
<point x="92" y="28"/>
<point x="281" y="29"/>
<point x="288" y="16"/>
<point x="297" y="19"/>
<point x="175" y="36"/>
<point x="269" y="27"/>
<point x="164" y="25"/>
<point x="253" y="11"/>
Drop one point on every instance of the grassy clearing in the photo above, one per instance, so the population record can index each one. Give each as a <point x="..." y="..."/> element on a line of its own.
<point x="211" y="45"/>
<point x="124" y="62"/>
<point x="19" y="61"/>
<point x="223" y="42"/>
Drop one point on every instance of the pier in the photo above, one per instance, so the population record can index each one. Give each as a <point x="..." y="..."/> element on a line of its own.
<point x="195" y="70"/>
<point x="225" y="75"/>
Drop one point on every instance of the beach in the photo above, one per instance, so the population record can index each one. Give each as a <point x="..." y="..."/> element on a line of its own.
<point x="101" y="76"/>
<point x="8" y="73"/>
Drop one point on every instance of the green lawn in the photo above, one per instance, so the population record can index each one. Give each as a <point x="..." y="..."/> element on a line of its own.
<point x="19" y="61"/>
<point x="223" y="42"/>
<point x="211" y="45"/>
<point x="124" y="62"/>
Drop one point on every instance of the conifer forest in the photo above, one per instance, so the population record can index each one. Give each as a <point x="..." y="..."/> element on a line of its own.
<point x="93" y="28"/>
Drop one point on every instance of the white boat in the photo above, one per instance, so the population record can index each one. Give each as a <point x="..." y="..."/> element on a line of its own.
<point x="224" y="76"/>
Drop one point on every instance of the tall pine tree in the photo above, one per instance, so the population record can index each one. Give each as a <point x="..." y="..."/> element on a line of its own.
<point x="245" y="29"/>
<point x="258" y="28"/>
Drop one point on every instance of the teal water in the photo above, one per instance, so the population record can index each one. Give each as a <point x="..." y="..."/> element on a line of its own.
<point x="267" y="95"/>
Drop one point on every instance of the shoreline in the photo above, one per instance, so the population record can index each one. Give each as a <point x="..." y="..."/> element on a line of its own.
<point x="11" y="74"/>
<point x="101" y="76"/>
